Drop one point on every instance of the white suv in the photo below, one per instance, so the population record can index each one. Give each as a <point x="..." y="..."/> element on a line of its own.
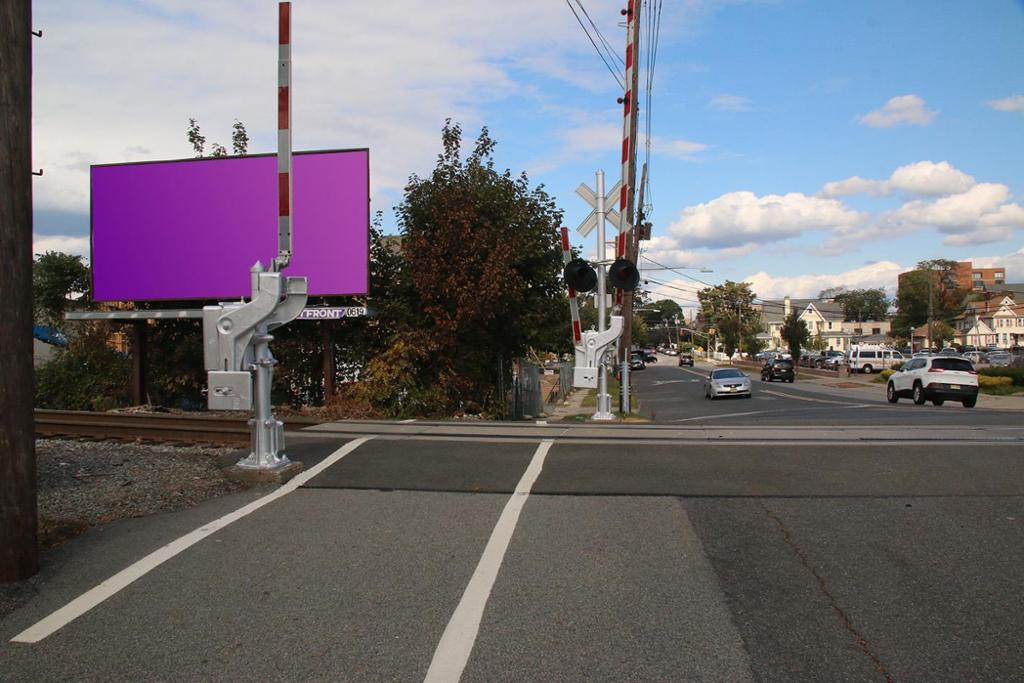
<point x="935" y="378"/>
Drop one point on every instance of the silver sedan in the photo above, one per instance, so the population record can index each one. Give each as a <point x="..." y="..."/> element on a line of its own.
<point x="726" y="382"/>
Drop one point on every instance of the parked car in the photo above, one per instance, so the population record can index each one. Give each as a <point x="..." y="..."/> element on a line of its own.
<point x="868" y="358"/>
<point x="778" y="368"/>
<point x="1000" y="358"/>
<point x="808" y="360"/>
<point x="828" y="359"/>
<point x="636" y="361"/>
<point x="976" y="357"/>
<point x="726" y="382"/>
<point x="935" y="378"/>
<point x="833" y="362"/>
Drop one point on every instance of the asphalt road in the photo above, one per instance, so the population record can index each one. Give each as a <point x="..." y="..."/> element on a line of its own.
<point x="670" y="394"/>
<point x="834" y="559"/>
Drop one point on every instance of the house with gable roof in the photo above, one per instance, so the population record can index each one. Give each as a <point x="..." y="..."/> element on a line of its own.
<point x="997" y="320"/>
<point x="823" y="317"/>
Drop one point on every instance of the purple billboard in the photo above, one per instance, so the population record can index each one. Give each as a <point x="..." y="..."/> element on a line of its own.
<point x="192" y="229"/>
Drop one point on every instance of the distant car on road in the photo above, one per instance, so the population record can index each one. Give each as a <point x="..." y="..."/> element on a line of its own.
<point x="726" y="382"/>
<point x="686" y="358"/>
<point x="778" y="368"/>
<point x="636" y="361"/>
<point x="935" y="378"/>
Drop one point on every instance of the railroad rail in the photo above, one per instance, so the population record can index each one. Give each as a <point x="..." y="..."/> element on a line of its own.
<point x="151" y="426"/>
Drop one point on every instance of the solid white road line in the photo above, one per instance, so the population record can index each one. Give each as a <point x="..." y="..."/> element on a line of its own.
<point x="125" y="577"/>
<point x="714" y="417"/>
<point x="456" y="644"/>
<point x="815" y="400"/>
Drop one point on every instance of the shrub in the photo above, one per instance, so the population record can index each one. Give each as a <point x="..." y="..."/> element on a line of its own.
<point x="87" y="375"/>
<point x="887" y="373"/>
<point x="1016" y="375"/>
<point x="987" y="381"/>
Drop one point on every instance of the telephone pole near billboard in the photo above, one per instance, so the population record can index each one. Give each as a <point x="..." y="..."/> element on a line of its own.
<point x="19" y="553"/>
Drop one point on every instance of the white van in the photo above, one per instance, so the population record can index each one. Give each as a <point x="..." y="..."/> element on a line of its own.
<point x="868" y="358"/>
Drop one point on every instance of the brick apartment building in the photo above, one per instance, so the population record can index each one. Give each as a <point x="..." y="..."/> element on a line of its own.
<point x="973" y="279"/>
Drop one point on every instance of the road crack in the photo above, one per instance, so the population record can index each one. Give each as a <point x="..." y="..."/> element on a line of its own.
<point x="858" y="637"/>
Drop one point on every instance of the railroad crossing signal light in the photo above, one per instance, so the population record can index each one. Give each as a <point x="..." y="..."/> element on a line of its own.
<point x="624" y="275"/>
<point x="580" y="275"/>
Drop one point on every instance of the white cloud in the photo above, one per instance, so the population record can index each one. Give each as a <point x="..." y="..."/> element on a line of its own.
<point x="678" y="148"/>
<point x="1012" y="262"/>
<point x="981" y="215"/>
<point x="118" y="81"/>
<point x="853" y="185"/>
<point x="922" y="177"/>
<point x="929" y="178"/>
<point x="905" y="109"/>
<point x="69" y="245"/>
<point x="597" y="137"/>
<point x="733" y="103"/>
<point x="739" y="218"/>
<point x="879" y="274"/>
<point x="1014" y="103"/>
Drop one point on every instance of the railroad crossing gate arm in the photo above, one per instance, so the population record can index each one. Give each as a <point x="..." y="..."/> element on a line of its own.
<point x="591" y="350"/>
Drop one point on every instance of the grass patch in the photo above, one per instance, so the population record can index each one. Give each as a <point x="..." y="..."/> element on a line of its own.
<point x="615" y="391"/>
<point x="1002" y="390"/>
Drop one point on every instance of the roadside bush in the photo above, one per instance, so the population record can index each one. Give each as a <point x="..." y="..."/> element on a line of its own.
<point x="87" y="375"/>
<point x="1016" y="375"/>
<point x="887" y="373"/>
<point x="987" y="382"/>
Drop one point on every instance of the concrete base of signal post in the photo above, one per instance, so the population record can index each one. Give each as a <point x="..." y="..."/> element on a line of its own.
<point x="256" y="475"/>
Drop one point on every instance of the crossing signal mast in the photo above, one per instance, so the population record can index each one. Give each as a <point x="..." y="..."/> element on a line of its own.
<point x="240" y="367"/>
<point x="581" y="276"/>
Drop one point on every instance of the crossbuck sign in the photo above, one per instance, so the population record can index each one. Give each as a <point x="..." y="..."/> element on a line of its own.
<point x="611" y="215"/>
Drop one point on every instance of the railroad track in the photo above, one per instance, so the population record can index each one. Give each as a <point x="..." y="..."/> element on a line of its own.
<point x="151" y="426"/>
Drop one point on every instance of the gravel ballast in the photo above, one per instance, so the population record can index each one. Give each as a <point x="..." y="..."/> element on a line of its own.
<point x="85" y="484"/>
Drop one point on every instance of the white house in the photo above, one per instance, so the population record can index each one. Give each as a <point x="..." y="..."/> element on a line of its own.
<point x="823" y="317"/>
<point x="998" y="321"/>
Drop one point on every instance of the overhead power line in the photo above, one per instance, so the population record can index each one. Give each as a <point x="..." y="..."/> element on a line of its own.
<point x="600" y="53"/>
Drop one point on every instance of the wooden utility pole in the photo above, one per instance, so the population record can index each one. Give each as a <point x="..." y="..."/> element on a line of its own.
<point x="19" y="553"/>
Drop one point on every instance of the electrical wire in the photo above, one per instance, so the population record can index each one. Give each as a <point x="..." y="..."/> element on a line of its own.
<point x="607" y="46"/>
<point x="600" y="54"/>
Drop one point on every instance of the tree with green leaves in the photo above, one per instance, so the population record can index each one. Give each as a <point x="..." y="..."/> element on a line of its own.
<point x="933" y="280"/>
<point x="483" y="258"/>
<point x="860" y="305"/>
<point x="818" y="342"/>
<point x="728" y="308"/>
<point x="86" y="374"/>
<point x="239" y="140"/>
<point x="59" y="281"/>
<point x="795" y="334"/>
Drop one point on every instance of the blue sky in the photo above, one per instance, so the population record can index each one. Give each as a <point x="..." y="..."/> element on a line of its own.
<point x="762" y="113"/>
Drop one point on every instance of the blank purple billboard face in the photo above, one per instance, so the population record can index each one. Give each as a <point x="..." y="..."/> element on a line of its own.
<point x="192" y="229"/>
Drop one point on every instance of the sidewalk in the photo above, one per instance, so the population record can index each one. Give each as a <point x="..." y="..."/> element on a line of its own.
<point x="572" y="405"/>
